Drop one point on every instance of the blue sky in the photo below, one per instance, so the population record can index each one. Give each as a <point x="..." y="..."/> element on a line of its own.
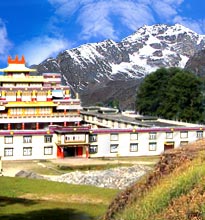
<point x="40" y="29"/>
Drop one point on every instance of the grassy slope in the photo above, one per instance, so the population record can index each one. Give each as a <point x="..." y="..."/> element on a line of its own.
<point x="175" y="190"/>
<point x="32" y="199"/>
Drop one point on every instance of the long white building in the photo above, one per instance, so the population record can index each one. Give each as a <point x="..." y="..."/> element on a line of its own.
<point x="115" y="134"/>
<point x="39" y="119"/>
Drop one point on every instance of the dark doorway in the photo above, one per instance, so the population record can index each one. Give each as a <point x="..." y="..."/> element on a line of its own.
<point x="69" y="151"/>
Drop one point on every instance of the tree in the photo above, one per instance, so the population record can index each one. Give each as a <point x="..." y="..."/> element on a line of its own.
<point x="114" y="103"/>
<point x="171" y="93"/>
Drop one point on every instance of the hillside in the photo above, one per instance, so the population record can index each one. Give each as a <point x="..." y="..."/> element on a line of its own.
<point x="174" y="190"/>
<point x="118" y="67"/>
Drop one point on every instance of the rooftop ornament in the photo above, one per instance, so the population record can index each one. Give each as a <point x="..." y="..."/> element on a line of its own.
<point x="16" y="60"/>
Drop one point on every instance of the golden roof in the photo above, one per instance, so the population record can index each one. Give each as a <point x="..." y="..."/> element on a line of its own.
<point x="17" y="65"/>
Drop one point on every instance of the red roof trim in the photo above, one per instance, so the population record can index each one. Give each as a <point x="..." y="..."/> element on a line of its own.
<point x="17" y="132"/>
<point x="143" y="130"/>
<point x="16" y="60"/>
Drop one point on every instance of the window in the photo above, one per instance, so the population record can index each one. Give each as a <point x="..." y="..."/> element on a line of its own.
<point x="48" y="138"/>
<point x="27" y="139"/>
<point x="152" y="135"/>
<point x="26" y="96"/>
<point x="41" y="93"/>
<point x="93" y="149"/>
<point x="114" y="137"/>
<point x="93" y="138"/>
<point x="8" y="152"/>
<point x="16" y="111"/>
<point x="27" y="151"/>
<point x="8" y="139"/>
<point x="48" y="150"/>
<point x="152" y="146"/>
<point x="199" y="134"/>
<point x="184" y="134"/>
<point x="183" y="143"/>
<point x="113" y="148"/>
<point x="133" y="147"/>
<point x="45" y="111"/>
<point x="169" y="135"/>
<point x="133" y="136"/>
<point x="100" y="120"/>
<point x="11" y="96"/>
<point x="74" y="138"/>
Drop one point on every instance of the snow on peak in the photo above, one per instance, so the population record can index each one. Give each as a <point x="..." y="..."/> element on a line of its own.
<point x="149" y="48"/>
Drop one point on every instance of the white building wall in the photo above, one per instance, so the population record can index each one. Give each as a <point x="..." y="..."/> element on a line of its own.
<point x="37" y="146"/>
<point x="124" y="140"/>
<point x="103" y="142"/>
<point x="143" y="141"/>
<point x="11" y="98"/>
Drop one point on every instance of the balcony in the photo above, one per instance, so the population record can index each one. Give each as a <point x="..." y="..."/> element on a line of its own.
<point x="54" y="117"/>
<point x="23" y="79"/>
<point x="31" y="104"/>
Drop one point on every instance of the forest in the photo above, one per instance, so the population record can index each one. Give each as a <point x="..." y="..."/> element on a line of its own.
<point x="172" y="93"/>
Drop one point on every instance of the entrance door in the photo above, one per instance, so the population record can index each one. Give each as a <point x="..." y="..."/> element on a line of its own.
<point x="168" y="146"/>
<point x="79" y="151"/>
<point x="69" y="151"/>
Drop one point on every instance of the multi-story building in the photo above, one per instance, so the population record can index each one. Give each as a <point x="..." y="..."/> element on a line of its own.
<point x="40" y="119"/>
<point x="29" y="106"/>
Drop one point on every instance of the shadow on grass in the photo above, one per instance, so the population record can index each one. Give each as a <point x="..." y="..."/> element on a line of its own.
<point x="48" y="214"/>
<point x="42" y="214"/>
<point x="4" y="201"/>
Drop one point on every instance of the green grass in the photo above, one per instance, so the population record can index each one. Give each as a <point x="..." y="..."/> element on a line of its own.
<point x="22" y="198"/>
<point x="149" y="159"/>
<point x="179" y="182"/>
<point x="153" y="159"/>
<point x="92" y="167"/>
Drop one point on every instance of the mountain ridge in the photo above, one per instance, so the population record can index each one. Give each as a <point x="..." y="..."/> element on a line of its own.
<point x="91" y="67"/>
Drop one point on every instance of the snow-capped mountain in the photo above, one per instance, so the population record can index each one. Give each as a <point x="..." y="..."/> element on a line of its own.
<point x="116" y="68"/>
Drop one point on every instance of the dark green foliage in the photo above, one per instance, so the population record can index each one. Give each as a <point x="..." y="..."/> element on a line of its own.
<point x="171" y="93"/>
<point x="114" y="103"/>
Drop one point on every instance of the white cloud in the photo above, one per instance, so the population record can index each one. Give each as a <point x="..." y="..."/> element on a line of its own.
<point x="164" y="9"/>
<point x="95" y="17"/>
<point x="5" y="44"/>
<point x="68" y="7"/>
<point x="38" y="49"/>
<point x="195" y="25"/>
<point x="95" y="22"/>
<point x="169" y="11"/>
<point x="133" y="15"/>
<point x="106" y="19"/>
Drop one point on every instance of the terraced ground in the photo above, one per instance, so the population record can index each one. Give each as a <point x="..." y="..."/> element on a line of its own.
<point x="174" y="190"/>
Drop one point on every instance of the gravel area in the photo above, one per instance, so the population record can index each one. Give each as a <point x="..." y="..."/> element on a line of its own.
<point x="118" y="178"/>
